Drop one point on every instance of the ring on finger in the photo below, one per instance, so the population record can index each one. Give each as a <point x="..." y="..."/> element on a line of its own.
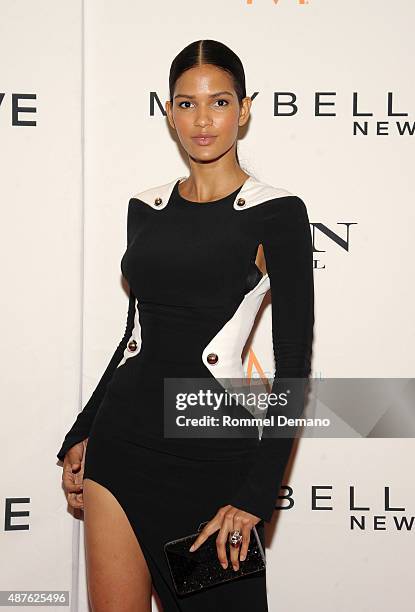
<point x="235" y="538"/>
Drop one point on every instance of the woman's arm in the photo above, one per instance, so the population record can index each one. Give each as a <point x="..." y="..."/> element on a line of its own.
<point x="81" y="427"/>
<point x="287" y="244"/>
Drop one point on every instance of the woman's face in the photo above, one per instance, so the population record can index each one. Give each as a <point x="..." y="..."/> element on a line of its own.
<point x="205" y="103"/>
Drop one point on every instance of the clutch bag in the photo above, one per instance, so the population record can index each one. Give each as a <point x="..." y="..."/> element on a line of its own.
<point x="193" y="571"/>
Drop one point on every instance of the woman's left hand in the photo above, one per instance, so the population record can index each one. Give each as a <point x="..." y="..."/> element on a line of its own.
<point x="228" y="519"/>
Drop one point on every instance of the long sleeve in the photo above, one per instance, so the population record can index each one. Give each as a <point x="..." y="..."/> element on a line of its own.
<point x="81" y="427"/>
<point x="287" y="244"/>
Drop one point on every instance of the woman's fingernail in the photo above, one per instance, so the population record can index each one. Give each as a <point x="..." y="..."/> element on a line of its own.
<point x="224" y="565"/>
<point x="242" y="557"/>
<point x="192" y="548"/>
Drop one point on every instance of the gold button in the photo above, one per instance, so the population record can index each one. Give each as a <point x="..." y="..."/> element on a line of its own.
<point x="240" y="202"/>
<point x="132" y="345"/>
<point x="212" y="358"/>
<point x="158" y="201"/>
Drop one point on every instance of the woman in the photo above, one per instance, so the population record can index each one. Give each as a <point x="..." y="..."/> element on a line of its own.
<point x="193" y="264"/>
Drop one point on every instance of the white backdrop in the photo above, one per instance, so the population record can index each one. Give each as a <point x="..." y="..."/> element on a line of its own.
<point x="66" y="182"/>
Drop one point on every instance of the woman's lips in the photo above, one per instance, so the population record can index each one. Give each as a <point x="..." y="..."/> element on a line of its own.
<point x="203" y="140"/>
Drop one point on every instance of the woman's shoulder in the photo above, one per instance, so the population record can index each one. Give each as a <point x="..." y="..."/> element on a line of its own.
<point x="265" y="197"/>
<point x="156" y="196"/>
<point x="254" y="191"/>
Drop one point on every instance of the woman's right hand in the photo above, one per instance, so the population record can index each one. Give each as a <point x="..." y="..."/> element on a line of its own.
<point x="73" y="472"/>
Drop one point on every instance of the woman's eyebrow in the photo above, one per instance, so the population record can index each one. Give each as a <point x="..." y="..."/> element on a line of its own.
<point x="215" y="95"/>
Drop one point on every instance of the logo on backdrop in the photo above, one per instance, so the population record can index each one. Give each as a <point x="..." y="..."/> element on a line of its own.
<point x="287" y="105"/>
<point x="322" y="233"/>
<point x="18" y="110"/>
<point x="385" y="516"/>
<point x="385" y="513"/>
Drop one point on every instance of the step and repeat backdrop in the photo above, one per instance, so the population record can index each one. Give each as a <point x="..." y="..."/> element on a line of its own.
<point x="83" y="128"/>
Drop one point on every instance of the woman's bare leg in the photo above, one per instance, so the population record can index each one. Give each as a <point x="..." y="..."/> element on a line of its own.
<point x="118" y="576"/>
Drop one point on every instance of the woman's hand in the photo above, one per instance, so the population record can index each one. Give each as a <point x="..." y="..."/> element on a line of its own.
<point x="228" y="519"/>
<point x="73" y="472"/>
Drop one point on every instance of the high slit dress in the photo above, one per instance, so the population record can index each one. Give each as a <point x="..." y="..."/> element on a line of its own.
<point x="195" y="291"/>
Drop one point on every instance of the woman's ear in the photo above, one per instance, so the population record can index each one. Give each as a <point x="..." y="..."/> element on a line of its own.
<point x="245" y="110"/>
<point x="170" y="114"/>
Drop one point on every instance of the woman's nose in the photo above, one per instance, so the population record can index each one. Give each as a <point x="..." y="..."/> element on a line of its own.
<point x="203" y="116"/>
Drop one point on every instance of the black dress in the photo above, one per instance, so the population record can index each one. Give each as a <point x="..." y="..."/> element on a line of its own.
<point x="194" y="293"/>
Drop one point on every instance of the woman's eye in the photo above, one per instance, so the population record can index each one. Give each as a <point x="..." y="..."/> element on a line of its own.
<point x="185" y="102"/>
<point x="222" y="100"/>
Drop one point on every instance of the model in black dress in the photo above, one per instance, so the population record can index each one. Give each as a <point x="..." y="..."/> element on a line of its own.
<point x="194" y="295"/>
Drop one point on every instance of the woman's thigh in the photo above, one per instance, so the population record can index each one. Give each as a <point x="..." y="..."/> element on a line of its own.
<point x="117" y="572"/>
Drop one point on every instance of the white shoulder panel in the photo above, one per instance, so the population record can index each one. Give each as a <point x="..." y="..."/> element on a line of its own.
<point x="157" y="197"/>
<point x="254" y="192"/>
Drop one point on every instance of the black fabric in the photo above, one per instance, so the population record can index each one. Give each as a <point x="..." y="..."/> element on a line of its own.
<point x="190" y="265"/>
<point x="287" y="245"/>
<point x="200" y="255"/>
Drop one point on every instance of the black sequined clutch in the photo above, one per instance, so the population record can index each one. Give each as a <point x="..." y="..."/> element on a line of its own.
<point x="193" y="571"/>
